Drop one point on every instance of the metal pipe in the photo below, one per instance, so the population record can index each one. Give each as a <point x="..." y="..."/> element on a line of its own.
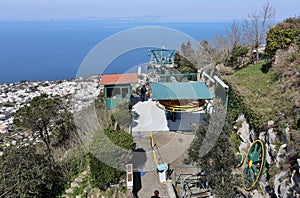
<point x="209" y="77"/>
<point x="221" y="82"/>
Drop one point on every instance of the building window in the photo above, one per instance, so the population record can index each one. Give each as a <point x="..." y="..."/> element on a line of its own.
<point x="125" y="92"/>
<point x="113" y="92"/>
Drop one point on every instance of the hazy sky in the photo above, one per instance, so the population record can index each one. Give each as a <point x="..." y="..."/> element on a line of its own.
<point x="182" y="9"/>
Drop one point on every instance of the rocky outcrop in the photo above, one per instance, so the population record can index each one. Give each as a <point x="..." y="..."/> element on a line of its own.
<point x="77" y="183"/>
<point x="243" y="131"/>
<point x="280" y="183"/>
<point x="224" y="70"/>
<point x="295" y="181"/>
<point x="284" y="185"/>
<point x="280" y="159"/>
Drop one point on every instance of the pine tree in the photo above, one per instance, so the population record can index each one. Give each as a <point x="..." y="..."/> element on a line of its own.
<point x="218" y="163"/>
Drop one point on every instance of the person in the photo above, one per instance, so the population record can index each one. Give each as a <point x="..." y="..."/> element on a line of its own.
<point x="156" y="194"/>
<point x="143" y="93"/>
<point x="169" y="172"/>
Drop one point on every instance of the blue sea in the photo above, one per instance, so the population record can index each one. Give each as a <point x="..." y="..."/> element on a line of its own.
<point x="53" y="50"/>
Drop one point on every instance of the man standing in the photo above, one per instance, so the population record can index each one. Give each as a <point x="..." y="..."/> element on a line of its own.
<point x="143" y="93"/>
<point x="156" y="194"/>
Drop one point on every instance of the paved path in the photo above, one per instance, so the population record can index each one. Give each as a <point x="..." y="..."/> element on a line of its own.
<point x="171" y="146"/>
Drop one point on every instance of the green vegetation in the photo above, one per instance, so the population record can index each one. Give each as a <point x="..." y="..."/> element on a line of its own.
<point x="184" y="65"/>
<point x="100" y="106"/>
<point x="80" y="190"/>
<point x="122" y="114"/>
<point x="237" y="106"/>
<point x="103" y="175"/>
<point x="283" y="35"/>
<point x="277" y="144"/>
<point x="185" y="61"/>
<point x="106" y="151"/>
<point x="219" y="161"/>
<point x="235" y="141"/>
<point x="264" y="91"/>
<point x="42" y="113"/>
<point x="270" y="91"/>
<point x="255" y="89"/>
<point x="75" y="162"/>
<point x="236" y="56"/>
<point x="62" y="157"/>
<point x="44" y="168"/>
<point x="293" y="147"/>
<point x="26" y="173"/>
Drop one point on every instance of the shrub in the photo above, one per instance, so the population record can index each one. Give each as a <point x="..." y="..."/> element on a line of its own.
<point x="102" y="175"/>
<point x="280" y="37"/>
<point x="74" y="163"/>
<point x="235" y="141"/>
<point x="122" y="114"/>
<point x="26" y="173"/>
<point x="236" y="53"/>
<point x="109" y="149"/>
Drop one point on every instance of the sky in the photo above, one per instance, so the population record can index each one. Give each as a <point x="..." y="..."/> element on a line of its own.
<point x="138" y="9"/>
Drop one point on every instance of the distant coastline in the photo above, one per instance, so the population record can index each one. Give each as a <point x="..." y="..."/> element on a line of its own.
<point x="146" y="18"/>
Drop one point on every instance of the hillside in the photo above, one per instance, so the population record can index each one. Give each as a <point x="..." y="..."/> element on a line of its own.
<point x="270" y="93"/>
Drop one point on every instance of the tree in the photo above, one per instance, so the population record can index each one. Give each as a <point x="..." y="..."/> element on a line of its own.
<point x="236" y="57"/>
<point x="26" y="173"/>
<point x="226" y="44"/>
<point x="257" y="25"/>
<point x="185" y="61"/>
<point x="184" y="66"/>
<point x="222" y="49"/>
<point x="40" y="114"/>
<point x="187" y="49"/>
<point x="219" y="161"/>
<point x="64" y="129"/>
<point x="205" y="54"/>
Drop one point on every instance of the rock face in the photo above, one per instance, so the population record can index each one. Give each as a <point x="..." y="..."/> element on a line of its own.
<point x="295" y="181"/>
<point x="265" y="186"/>
<point x="284" y="185"/>
<point x="269" y="138"/>
<point x="280" y="183"/>
<point x="281" y="155"/>
<point x="244" y="133"/>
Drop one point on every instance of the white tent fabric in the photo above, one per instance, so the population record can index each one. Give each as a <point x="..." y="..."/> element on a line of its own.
<point x="149" y="117"/>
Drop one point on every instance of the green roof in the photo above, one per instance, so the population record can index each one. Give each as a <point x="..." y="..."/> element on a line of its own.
<point x="180" y="91"/>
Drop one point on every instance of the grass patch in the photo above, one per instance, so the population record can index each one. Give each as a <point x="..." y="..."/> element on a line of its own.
<point x="277" y="144"/>
<point x="235" y="141"/>
<point x="257" y="90"/>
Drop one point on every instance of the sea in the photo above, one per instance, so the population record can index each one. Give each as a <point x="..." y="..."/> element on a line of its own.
<point x="54" y="50"/>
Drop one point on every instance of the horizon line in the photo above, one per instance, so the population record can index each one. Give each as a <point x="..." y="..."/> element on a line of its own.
<point x="128" y="19"/>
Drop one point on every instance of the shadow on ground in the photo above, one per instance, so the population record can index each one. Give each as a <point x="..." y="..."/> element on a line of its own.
<point x="138" y="160"/>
